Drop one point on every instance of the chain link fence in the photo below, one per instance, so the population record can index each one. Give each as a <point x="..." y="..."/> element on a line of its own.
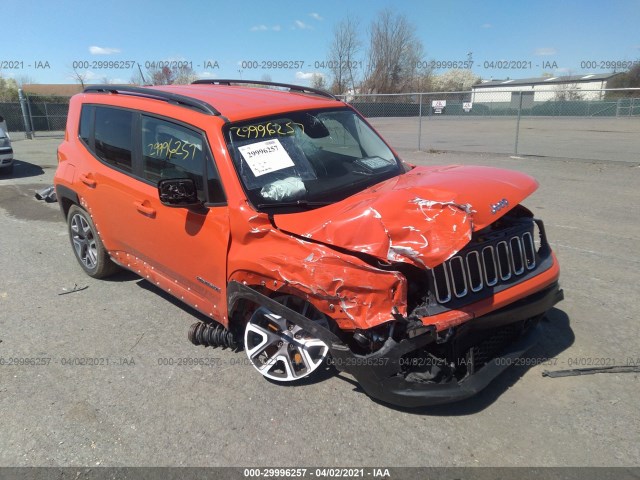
<point x="36" y="115"/>
<point x="561" y="122"/>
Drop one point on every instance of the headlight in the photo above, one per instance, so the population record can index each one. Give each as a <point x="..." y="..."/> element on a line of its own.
<point x="4" y="142"/>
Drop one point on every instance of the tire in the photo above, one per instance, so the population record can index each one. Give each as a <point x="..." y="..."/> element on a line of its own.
<point x="87" y="246"/>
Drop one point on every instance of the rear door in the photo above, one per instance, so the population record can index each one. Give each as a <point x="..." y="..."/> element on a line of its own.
<point x="107" y="173"/>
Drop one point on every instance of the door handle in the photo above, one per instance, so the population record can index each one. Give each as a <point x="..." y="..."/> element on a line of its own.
<point x="142" y="208"/>
<point x="88" y="180"/>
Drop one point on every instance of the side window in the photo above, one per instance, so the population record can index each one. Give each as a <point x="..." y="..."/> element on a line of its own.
<point x="112" y="136"/>
<point x="172" y="151"/>
<point x="85" y="123"/>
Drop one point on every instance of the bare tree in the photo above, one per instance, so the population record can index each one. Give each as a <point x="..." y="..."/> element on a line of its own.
<point x="566" y="92"/>
<point x="25" y="80"/>
<point x="184" y="75"/>
<point x="80" y="77"/>
<point x="343" y="53"/>
<point x="161" y="76"/>
<point x="394" y="54"/>
<point x="180" y="75"/>
<point x="318" y="81"/>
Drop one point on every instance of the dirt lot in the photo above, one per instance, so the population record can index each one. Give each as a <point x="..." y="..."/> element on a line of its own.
<point x="135" y="408"/>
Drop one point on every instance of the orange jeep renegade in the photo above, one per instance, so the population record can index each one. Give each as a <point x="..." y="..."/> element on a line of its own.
<point x="281" y="215"/>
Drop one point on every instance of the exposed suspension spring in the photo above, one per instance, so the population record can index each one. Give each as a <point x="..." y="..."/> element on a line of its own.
<point x="213" y="335"/>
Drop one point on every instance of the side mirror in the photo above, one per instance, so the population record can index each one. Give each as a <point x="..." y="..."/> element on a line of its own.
<point x="178" y="192"/>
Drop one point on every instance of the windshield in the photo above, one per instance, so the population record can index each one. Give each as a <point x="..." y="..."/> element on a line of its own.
<point x="305" y="159"/>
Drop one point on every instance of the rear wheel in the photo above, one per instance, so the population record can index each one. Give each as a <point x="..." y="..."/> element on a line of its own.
<point x="87" y="246"/>
<point x="281" y="350"/>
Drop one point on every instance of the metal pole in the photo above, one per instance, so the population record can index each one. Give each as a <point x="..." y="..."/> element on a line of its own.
<point x="33" y="130"/>
<point x="25" y="114"/>
<point x="420" y="122"/>
<point x="46" y="114"/>
<point x="518" y="123"/>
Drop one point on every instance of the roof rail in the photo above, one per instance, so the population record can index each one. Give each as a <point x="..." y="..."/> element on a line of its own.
<point x="169" y="97"/>
<point x="293" y="88"/>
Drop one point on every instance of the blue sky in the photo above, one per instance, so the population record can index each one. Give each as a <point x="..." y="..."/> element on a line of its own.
<point x="61" y="32"/>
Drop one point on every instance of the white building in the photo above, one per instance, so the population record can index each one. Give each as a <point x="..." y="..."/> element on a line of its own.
<point x="583" y="87"/>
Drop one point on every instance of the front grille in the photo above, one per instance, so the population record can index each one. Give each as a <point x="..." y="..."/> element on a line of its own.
<point x="486" y="265"/>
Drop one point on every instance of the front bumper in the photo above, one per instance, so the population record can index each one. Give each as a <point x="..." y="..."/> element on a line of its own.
<point x="381" y="374"/>
<point x="6" y="157"/>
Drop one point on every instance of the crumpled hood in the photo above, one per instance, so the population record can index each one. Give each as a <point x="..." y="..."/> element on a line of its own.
<point x="422" y="217"/>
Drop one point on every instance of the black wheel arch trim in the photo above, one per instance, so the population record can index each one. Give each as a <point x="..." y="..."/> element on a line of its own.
<point x="237" y="291"/>
<point x="66" y="198"/>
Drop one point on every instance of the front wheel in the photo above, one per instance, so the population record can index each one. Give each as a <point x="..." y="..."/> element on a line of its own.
<point x="87" y="246"/>
<point x="281" y="350"/>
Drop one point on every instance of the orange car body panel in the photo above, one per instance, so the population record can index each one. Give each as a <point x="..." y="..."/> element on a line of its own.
<point x="422" y="218"/>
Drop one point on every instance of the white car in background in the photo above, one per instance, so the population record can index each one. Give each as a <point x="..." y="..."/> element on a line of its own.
<point x="6" y="153"/>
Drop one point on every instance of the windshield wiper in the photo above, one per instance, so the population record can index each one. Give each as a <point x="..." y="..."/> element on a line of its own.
<point x="297" y="203"/>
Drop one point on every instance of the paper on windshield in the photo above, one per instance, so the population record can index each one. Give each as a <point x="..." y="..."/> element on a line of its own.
<point x="266" y="157"/>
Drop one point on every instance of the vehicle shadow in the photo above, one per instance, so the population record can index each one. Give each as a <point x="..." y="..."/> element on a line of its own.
<point x="142" y="283"/>
<point x="22" y="169"/>
<point x="557" y="337"/>
<point x="324" y="372"/>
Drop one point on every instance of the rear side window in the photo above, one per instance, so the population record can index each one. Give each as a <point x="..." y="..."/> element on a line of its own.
<point x="113" y="137"/>
<point x="86" y="117"/>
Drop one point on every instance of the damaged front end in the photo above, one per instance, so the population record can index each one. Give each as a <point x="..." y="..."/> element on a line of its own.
<point x="414" y="365"/>
<point x="465" y="319"/>
<point x="418" y="366"/>
<point x="468" y="318"/>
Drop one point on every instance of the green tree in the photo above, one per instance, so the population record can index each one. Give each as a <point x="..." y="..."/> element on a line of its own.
<point x="8" y="89"/>
<point x="628" y="79"/>
<point x="455" y="80"/>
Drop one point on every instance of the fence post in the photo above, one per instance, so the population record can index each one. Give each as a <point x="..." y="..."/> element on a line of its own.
<point x="46" y="115"/>
<point x="33" y="128"/>
<point x="420" y="122"/>
<point x="518" y="123"/>
<point x="25" y="114"/>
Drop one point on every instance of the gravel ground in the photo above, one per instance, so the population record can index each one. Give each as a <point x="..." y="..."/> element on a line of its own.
<point x="131" y="410"/>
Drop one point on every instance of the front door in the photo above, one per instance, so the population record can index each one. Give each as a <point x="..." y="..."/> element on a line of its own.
<point x="186" y="248"/>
